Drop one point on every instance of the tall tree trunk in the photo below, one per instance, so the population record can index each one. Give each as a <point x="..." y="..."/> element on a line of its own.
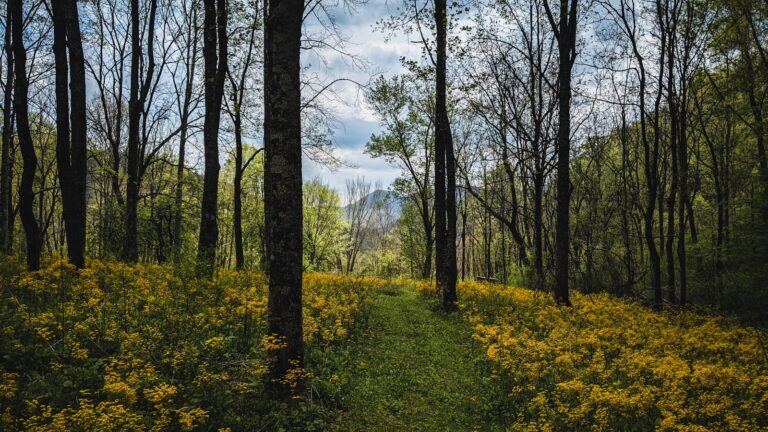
<point x="7" y="142"/>
<point x="138" y="96"/>
<point x="215" y="69"/>
<point x="75" y="214"/>
<point x="683" y="204"/>
<point x="538" y="228"/>
<point x="673" y="149"/>
<point x="625" y="205"/>
<point x="238" y="96"/>
<point x="20" y="100"/>
<point x="238" y="192"/>
<point x="445" y="170"/>
<point x="566" y="42"/>
<point x="71" y="144"/>
<point x="130" y="241"/>
<point x="283" y="188"/>
<point x="439" y="200"/>
<point x="178" y="213"/>
<point x="652" y="156"/>
<point x="464" y="237"/>
<point x="670" y="237"/>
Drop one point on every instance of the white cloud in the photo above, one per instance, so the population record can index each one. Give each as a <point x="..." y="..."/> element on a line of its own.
<point x="356" y="121"/>
<point x="374" y="170"/>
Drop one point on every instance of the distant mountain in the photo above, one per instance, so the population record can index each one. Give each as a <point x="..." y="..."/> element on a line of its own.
<point x="380" y="196"/>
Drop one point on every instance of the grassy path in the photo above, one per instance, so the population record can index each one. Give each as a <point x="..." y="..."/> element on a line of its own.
<point x="417" y="369"/>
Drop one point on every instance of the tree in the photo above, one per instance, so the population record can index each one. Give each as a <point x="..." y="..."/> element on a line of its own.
<point x="242" y="85"/>
<point x="323" y="226"/>
<point x="627" y="18"/>
<point x="565" y="34"/>
<point x="187" y="102"/>
<point x="358" y="212"/>
<point x="408" y="143"/>
<point x="21" y="109"/>
<point x="138" y="95"/>
<point x="282" y="188"/>
<point x="509" y="74"/>
<point x="111" y="40"/>
<point x="71" y="128"/>
<point x="7" y="141"/>
<point x="215" y="69"/>
<point x="445" y="171"/>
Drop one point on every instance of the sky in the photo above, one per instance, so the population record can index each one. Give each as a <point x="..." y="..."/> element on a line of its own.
<point x="356" y="122"/>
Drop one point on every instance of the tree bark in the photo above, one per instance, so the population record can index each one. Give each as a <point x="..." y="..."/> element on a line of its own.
<point x="565" y="32"/>
<point x="684" y="204"/>
<point x="138" y="96"/>
<point x="20" y="100"/>
<point x="673" y="149"/>
<point x="71" y="143"/>
<point x="283" y="189"/>
<point x="237" y="217"/>
<point x="538" y="228"/>
<point x="215" y="69"/>
<point x="130" y="245"/>
<point x="445" y="171"/>
<point x="7" y="142"/>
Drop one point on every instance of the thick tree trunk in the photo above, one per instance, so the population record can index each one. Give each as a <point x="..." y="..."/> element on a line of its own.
<point x="283" y="190"/>
<point x="7" y="141"/>
<point x="26" y="193"/>
<point x="215" y="69"/>
<point x="439" y="204"/>
<point x="445" y="171"/>
<point x="75" y="213"/>
<point x="566" y="41"/>
<point x="71" y="144"/>
<point x="130" y="241"/>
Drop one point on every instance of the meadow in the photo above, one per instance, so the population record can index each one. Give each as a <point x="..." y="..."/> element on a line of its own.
<point x="611" y="364"/>
<point x="117" y="347"/>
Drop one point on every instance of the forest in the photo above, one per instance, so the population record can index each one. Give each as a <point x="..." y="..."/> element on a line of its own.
<point x="378" y="215"/>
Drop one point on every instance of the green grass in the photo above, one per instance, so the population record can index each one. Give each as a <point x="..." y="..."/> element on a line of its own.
<point x="416" y="368"/>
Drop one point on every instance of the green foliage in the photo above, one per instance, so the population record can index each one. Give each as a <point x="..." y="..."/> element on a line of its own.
<point x="323" y="227"/>
<point x="410" y="231"/>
